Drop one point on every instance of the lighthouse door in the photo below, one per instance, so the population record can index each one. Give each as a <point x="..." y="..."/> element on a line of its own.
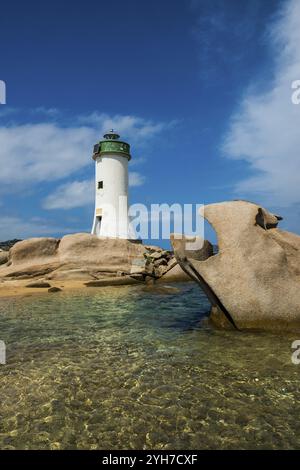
<point x="98" y="224"/>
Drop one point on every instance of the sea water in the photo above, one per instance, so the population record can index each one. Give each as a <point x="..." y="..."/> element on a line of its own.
<point x="141" y="368"/>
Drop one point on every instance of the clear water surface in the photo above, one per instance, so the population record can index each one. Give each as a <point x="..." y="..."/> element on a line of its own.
<point x="140" y="368"/>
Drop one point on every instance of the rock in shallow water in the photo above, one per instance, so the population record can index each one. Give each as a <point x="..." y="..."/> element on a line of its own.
<point x="254" y="280"/>
<point x="114" y="281"/>
<point x="54" y="289"/>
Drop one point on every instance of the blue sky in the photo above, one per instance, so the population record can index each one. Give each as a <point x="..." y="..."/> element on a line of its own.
<point x="199" y="88"/>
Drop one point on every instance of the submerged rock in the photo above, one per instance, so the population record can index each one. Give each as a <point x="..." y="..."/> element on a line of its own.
<point x="115" y="281"/>
<point x="54" y="289"/>
<point x="254" y="279"/>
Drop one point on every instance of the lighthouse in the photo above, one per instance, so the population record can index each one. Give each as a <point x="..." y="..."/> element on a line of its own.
<point x="111" y="156"/>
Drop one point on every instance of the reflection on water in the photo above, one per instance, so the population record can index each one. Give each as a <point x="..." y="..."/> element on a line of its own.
<point x="140" y="368"/>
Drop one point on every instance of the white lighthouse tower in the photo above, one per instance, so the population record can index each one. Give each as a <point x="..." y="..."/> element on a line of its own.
<point x="111" y="196"/>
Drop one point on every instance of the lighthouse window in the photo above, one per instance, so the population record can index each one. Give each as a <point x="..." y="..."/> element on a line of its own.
<point x="100" y="184"/>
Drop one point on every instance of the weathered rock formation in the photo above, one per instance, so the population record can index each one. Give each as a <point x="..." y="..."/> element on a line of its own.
<point x="253" y="282"/>
<point x="97" y="261"/>
<point x="192" y="247"/>
<point x="78" y="256"/>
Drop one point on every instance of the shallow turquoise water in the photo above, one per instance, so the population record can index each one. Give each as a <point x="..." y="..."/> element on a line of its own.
<point x="134" y="367"/>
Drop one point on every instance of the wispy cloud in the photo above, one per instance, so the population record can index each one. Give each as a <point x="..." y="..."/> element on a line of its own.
<point x="81" y="193"/>
<point x="265" y="129"/>
<point x="42" y="152"/>
<point x="136" y="179"/>
<point x="71" y="195"/>
<point x="136" y="129"/>
<point x="51" y="151"/>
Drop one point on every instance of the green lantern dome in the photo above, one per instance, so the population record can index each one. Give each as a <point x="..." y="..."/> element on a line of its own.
<point x="111" y="145"/>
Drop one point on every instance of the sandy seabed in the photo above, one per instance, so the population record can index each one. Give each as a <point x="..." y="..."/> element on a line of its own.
<point x="16" y="288"/>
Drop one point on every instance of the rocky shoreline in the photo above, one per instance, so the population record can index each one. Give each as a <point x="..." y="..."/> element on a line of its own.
<point x="252" y="279"/>
<point x="45" y="263"/>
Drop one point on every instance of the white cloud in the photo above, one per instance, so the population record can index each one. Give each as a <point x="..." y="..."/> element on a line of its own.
<point x="34" y="153"/>
<point x="80" y="193"/>
<point x="265" y="130"/>
<point x="43" y="152"/>
<point x="136" y="179"/>
<point x="136" y="129"/>
<point x="70" y="195"/>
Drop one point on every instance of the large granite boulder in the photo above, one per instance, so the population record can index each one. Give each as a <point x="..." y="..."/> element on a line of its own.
<point x="33" y="251"/>
<point x="108" y="254"/>
<point x="253" y="282"/>
<point x="79" y="256"/>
